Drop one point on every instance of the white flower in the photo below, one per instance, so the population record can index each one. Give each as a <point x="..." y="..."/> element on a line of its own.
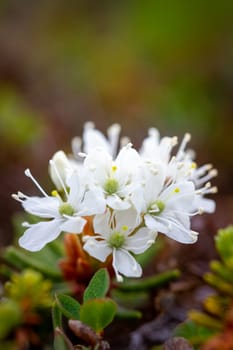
<point x="117" y="234"/>
<point x="65" y="215"/>
<point x="168" y="211"/>
<point x="116" y="179"/>
<point x="180" y="167"/>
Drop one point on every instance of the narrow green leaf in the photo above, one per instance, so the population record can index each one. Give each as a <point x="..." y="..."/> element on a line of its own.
<point x="98" y="313"/>
<point x="68" y="306"/>
<point x="149" y="282"/>
<point x="56" y="316"/>
<point x="21" y="260"/>
<point x="98" y="285"/>
<point x="61" y="342"/>
<point x="128" y="314"/>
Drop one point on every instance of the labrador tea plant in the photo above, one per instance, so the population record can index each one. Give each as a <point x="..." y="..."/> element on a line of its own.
<point x="109" y="202"/>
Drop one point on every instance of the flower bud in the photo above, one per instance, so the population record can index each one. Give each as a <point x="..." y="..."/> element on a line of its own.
<point x="58" y="169"/>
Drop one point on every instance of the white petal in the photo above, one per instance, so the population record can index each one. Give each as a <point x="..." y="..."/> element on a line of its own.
<point x="179" y="196"/>
<point x="138" y="200"/>
<point x="127" y="161"/>
<point x="74" y="224"/>
<point x="177" y="228"/>
<point x="206" y="204"/>
<point x="75" y="189"/>
<point x="44" y="207"/>
<point x="101" y="224"/>
<point x="180" y="234"/>
<point x="99" y="163"/>
<point x="128" y="218"/>
<point x="93" y="138"/>
<point x="38" y="235"/>
<point x="153" y="224"/>
<point x="98" y="249"/>
<point x="140" y="241"/>
<point x="125" y="264"/>
<point x="155" y="176"/>
<point x="115" y="202"/>
<point x="93" y="203"/>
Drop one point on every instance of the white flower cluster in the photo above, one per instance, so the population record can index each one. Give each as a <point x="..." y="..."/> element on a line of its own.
<point x="130" y="196"/>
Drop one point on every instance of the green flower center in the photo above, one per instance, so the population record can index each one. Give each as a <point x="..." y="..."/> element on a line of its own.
<point x="157" y="207"/>
<point x="111" y="186"/>
<point x="66" y="209"/>
<point x="116" y="240"/>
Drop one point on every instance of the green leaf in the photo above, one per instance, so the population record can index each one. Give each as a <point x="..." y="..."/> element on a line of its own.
<point x="21" y="260"/>
<point x="98" y="285"/>
<point x="128" y="314"/>
<point x="98" y="313"/>
<point x="10" y="316"/>
<point x="56" y="316"/>
<point x="61" y="342"/>
<point x="145" y="258"/>
<point x="149" y="282"/>
<point x="68" y="306"/>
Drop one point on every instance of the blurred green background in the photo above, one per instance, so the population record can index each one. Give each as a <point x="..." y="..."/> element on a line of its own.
<point x="167" y="64"/>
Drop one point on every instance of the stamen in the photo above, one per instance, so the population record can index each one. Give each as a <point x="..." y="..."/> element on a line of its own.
<point x="55" y="194"/>
<point x="82" y="154"/>
<point x="186" y="139"/>
<point x="203" y="169"/>
<point x="89" y="125"/>
<point x="174" y="141"/>
<point x="26" y="224"/>
<point x="76" y="145"/>
<point x="129" y="145"/>
<point x="20" y="197"/>
<point x="198" y="212"/>
<point x="153" y="132"/>
<point x="212" y="173"/>
<point x="29" y="174"/>
<point x="53" y="164"/>
<point x="207" y="189"/>
<point x="124" y="141"/>
<point x="118" y="276"/>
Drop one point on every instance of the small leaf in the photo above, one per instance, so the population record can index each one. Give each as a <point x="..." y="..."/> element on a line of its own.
<point x="56" y="316"/>
<point x="98" y="285"/>
<point x="68" y="306"/>
<point x="98" y="313"/>
<point x="61" y="342"/>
